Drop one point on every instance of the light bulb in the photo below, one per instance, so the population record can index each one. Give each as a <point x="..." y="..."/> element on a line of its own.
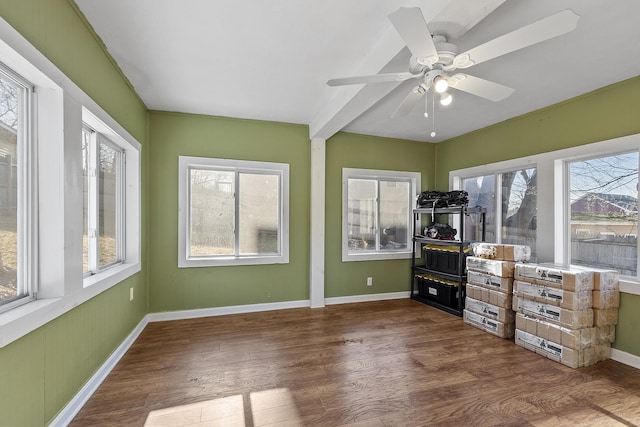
<point x="433" y="134"/>
<point x="445" y="98"/>
<point x="426" y="115"/>
<point x="440" y="84"/>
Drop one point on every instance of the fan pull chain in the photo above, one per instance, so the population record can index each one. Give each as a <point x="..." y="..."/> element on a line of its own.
<point x="433" y="115"/>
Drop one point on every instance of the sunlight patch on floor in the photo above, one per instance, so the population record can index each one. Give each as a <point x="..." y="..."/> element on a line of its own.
<point x="267" y="407"/>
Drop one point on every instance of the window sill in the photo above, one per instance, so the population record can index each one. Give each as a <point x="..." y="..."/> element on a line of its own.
<point x="18" y="322"/>
<point x="231" y="261"/>
<point x="375" y="256"/>
<point x="629" y="286"/>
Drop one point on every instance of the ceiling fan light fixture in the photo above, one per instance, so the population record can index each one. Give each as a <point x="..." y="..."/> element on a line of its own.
<point x="440" y="84"/>
<point x="445" y="98"/>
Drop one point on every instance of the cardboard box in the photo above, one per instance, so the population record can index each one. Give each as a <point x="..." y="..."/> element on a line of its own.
<point x="605" y="317"/>
<point x="502" y="252"/>
<point x="580" y="300"/>
<point x="606" y="299"/>
<point x="489" y="310"/>
<point x="495" y="327"/>
<point x="497" y="298"/>
<point x="564" y="277"/>
<point x="525" y="272"/>
<point x="572" y="338"/>
<point x="603" y="279"/>
<point x="503" y="284"/>
<point x="557" y="352"/>
<point x="491" y="266"/>
<point x="605" y="334"/>
<point x="573" y="319"/>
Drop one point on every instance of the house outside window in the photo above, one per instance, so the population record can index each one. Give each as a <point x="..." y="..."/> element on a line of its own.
<point x="603" y="212"/>
<point x="232" y="212"/>
<point x="377" y="213"/>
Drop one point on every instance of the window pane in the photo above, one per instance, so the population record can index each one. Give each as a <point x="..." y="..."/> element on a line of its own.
<point x="361" y="208"/>
<point x="519" y="208"/>
<point x="212" y="213"/>
<point x="394" y="214"/>
<point x="10" y="95"/>
<point x="86" y="140"/>
<point x="481" y="191"/>
<point x="107" y="205"/>
<point x="604" y="212"/>
<point x="259" y="216"/>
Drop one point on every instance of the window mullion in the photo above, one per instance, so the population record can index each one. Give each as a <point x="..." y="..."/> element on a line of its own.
<point x="377" y="215"/>
<point x="92" y="208"/>
<point x="498" y="207"/>
<point x="236" y="216"/>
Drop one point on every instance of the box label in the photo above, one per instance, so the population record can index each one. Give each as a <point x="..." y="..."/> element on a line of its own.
<point x="433" y="291"/>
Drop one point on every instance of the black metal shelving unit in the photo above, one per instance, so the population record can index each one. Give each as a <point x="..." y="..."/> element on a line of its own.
<point x="460" y="276"/>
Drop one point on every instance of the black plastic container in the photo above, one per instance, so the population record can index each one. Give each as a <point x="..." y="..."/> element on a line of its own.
<point x="443" y="260"/>
<point x="439" y="292"/>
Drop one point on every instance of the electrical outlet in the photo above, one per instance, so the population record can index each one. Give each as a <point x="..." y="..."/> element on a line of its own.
<point x="369" y="281"/>
<point x="131" y="294"/>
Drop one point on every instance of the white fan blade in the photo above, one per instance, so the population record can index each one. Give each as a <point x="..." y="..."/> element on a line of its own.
<point x="410" y="24"/>
<point x="409" y="102"/>
<point x="375" y="78"/>
<point x="539" y="31"/>
<point x="480" y="87"/>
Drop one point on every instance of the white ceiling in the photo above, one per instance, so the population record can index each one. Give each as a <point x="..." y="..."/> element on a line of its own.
<point x="270" y="60"/>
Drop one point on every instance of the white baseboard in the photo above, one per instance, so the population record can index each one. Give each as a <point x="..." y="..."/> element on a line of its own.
<point x="366" y="298"/>
<point x="626" y="358"/>
<point x="221" y="311"/>
<point x="65" y="416"/>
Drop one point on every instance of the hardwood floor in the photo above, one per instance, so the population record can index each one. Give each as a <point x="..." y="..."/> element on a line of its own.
<point x="388" y="363"/>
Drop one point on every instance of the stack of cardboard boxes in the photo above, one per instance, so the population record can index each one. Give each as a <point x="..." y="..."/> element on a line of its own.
<point x="490" y="287"/>
<point x="568" y="314"/>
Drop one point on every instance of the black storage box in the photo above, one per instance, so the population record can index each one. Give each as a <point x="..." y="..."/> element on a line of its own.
<point x="439" y="292"/>
<point x="444" y="259"/>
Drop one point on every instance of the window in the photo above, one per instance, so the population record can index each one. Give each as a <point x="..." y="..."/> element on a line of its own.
<point x="44" y="248"/>
<point x="232" y="212"/>
<point x="102" y="209"/>
<point x="16" y="284"/>
<point x="513" y="194"/>
<point x="377" y="213"/>
<point x="603" y="212"/>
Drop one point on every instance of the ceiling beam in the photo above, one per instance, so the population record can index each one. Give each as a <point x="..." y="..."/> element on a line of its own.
<point x="351" y="101"/>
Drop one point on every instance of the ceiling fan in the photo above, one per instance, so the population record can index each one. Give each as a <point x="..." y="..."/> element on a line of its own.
<point x="434" y="60"/>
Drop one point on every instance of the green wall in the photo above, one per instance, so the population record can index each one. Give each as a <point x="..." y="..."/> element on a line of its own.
<point x="172" y="135"/>
<point x="367" y="152"/>
<point x="42" y="371"/>
<point x="607" y="113"/>
<point x="604" y="114"/>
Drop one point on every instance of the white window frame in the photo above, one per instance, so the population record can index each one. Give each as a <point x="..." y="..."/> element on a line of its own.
<point x="26" y="208"/>
<point x="185" y="165"/>
<point x="414" y="178"/>
<point x="56" y="198"/>
<point x="98" y="138"/>
<point x="553" y="205"/>
<point x="497" y="174"/>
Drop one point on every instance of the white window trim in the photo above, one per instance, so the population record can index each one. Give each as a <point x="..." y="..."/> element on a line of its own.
<point x="185" y="163"/>
<point x="59" y="115"/>
<point x="552" y="176"/>
<point x="352" y="173"/>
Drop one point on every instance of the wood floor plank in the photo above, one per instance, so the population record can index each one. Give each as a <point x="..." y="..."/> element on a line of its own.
<point x="388" y="363"/>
